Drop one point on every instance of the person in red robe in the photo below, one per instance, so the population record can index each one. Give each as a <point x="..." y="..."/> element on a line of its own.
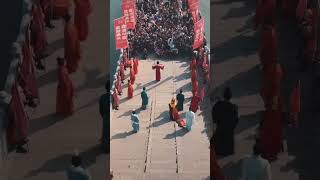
<point x="122" y="74"/>
<point x="265" y="13"/>
<point x="132" y="76"/>
<point x="268" y="48"/>
<point x="271" y="131"/>
<point x="301" y="9"/>
<point x="135" y="65"/>
<point x="194" y="76"/>
<point x="47" y="10"/>
<point x="174" y="114"/>
<point x="115" y="99"/>
<point x="82" y="11"/>
<point x="38" y="35"/>
<point x="157" y="67"/>
<point x="60" y="8"/>
<point x="207" y="74"/>
<point x="130" y="90"/>
<point x="17" y="130"/>
<point x="195" y="88"/>
<point x="271" y="84"/>
<point x="27" y="76"/>
<point x="65" y="90"/>
<point x="295" y="105"/>
<point x="129" y="62"/>
<point x="205" y="60"/>
<point x="71" y="45"/>
<point x="118" y="84"/>
<point x="195" y="103"/>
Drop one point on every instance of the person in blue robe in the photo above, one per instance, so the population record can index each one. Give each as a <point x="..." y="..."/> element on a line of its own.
<point x="135" y="121"/>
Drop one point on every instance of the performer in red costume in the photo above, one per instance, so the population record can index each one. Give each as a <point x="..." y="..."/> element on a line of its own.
<point x="130" y="90"/>
<point x="65" y="91"/>
<point x="82" y="11"/>
<point x="115" y="99"/>
<point x="157" y="67"/>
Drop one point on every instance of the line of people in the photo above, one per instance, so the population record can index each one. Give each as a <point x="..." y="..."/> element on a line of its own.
<point x="33" y="50"/>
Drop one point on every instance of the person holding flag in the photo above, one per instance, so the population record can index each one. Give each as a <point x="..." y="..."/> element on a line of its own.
<point x="158" y="67"/>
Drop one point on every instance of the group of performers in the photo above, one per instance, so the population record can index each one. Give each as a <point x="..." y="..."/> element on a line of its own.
<point x="277" y="111"/>
<point x="34" y="50"/>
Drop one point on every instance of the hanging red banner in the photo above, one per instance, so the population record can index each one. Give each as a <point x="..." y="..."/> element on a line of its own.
<point x="198" y="33"/>
<point x="129" y="11"/>
<point x="120" y="32"/>
<point x="194" y="10"/>
<point x="192" y="2"/>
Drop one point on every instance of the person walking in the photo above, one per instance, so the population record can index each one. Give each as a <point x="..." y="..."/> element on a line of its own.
<point x="145" y="99"/>
<point x="135" y="121"/>
<point x="180" y="99"/>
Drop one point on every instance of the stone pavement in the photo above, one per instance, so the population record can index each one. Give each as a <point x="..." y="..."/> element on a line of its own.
<point x="161" y="149"/>
<point x="53" y="139"/>
<point x="235" y="60"/>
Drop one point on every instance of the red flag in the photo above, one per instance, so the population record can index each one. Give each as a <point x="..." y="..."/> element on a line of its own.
<point x="194" y="10"/>
<point x="129" y="11"/>
<point x="192" y="1"/>
<point x="120" y="32"/>
<point x="198" y="34"/>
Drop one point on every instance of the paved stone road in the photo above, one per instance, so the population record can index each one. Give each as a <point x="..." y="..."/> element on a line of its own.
<point x="161" y="149"/>
<point x="52" y="139"/>
<point x="236" y="65"/>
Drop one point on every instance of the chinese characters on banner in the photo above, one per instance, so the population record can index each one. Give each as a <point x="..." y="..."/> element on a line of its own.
<point x="198" y="34"/>
<point x="129" y="11"/>
<point x="194" y="9"/>
<point x="120" y="32"/>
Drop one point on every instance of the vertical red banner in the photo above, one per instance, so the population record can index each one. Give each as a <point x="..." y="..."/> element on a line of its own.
<point x="194" y="10"/>
<point x="129" y="11"/>
<point x="120" y="32"/>
<point x="192" y="2"/>
<point x="198" y="34"/>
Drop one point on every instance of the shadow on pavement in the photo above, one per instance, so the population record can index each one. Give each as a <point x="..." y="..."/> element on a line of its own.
<point x="243" y="84"/>
<point x="162" y="119"/>
<point x="44" y="122"/>
<point x="93" y="79"/>
<point x="241" y="46"/>
<point x="62" y="162"/>
<point x="54" y="46"/>
<point x="122" y="135"/>
<point x="179" y="133"/>
<point x="48" y="78"/>
<point x="248" y="121"/>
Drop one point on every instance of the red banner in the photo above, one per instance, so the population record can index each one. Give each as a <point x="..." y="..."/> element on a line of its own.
<point x="192" y="2"/>
<point x="198" y="33"/>
<point x="194" y="10"/>
<point x="129" y="11"/>
<point x="120" y="32"/>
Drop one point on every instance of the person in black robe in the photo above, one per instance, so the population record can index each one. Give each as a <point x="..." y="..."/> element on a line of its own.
<point x="180" y="99"/>
<point x="225" y="115"/>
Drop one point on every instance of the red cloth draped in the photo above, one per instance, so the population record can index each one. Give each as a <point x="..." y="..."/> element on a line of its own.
<point x="265" y="12"/>
<point x="122" y="71"/>
<point x="195" y="88"/>
<point x="118" y="84"/>
<point x="132" y="76"/>
<point x="18" y="119"/>
<point x="82" y="10"/>
<point x="175" y="114"/>
<point x="130" y="91"/>
<point x="65" y="93"/>
<point x="194" y="76"/>
<point x="27" y="73"/>
<point x="193" y="65"/>
<point x="271" y="84"/>
<point x="268" y="48"/>
<point x="115" y="98"/>
<point x="271" y="133"/>
<point x="71" y="47"/>
<point x="135" y="65"/>
<point x="195" y="103"/>
<point x="38" y="33"/>
<point x="158" y="73"/>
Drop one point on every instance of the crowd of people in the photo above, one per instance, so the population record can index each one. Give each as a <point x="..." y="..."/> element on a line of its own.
<point x="278" y="112"/>
<point x="161" y="28"/>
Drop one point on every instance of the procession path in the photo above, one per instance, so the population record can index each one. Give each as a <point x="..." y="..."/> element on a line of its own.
<point x="161" y="149"/>
<point x="53" y="139"/>
<point x="236" y="64"/>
